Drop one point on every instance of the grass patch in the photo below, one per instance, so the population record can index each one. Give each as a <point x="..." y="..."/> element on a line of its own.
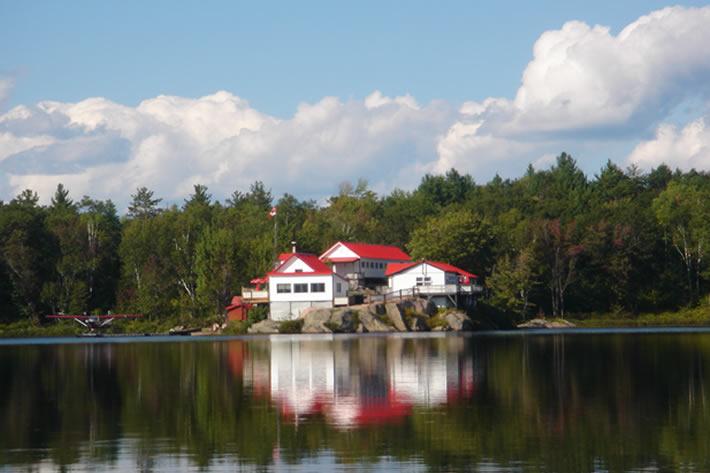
<point x="437" y="320"/>
<point x="333" y="327"/>
<point x="30" y="328"/>
<point x="410" y="315"/>
<point x="689" y="317"/>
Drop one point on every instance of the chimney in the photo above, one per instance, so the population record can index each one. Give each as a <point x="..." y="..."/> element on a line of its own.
<point x="293" y="246"/>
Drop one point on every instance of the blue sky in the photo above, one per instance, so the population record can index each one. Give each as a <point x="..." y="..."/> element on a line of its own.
<point x="108" y="96"/>
<point x="278" y="54"/>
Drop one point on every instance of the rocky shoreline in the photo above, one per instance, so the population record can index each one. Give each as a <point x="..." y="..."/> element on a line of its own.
<point x="416" y="315"/>
<point x="545" y="323"/>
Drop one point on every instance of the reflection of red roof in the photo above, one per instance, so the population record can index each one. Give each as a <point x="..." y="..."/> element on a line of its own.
<point x="319" y="268"/>
<point x="366" y="250"/>
<point x="388" y="410"/>
<point x="394" y="268"/>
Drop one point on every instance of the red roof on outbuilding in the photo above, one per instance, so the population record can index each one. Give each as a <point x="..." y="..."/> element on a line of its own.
<point x="394" y="268"/>
<point x="366" y="250"/>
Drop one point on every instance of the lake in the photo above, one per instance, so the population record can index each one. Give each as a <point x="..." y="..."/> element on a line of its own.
<point x="573" y="401"/>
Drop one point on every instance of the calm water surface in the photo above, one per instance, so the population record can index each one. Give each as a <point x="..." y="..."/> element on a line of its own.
<point x="565" y="402"/>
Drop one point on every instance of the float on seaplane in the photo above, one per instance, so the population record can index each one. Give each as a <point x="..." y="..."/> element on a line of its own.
<point x="94" y="323"/>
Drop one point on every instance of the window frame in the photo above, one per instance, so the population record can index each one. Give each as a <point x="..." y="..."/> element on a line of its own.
<point x="284" y="288"/>
<point x="300" y="285"/>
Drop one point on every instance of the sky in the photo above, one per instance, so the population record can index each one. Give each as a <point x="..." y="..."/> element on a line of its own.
<point x="106" y="97"/>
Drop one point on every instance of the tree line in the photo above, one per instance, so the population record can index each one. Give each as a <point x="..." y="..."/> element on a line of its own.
<point x="552" y="241"/>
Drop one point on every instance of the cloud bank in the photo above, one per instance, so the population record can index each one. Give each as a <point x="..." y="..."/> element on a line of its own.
<point x="584" y="89"/>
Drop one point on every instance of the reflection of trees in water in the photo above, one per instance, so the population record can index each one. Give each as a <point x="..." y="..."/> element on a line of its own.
<point x="563" y="403"/>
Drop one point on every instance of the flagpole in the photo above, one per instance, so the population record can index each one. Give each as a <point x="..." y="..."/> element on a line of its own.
<point x="275" y="232"/>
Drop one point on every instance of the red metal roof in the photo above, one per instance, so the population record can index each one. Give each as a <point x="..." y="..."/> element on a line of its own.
<point x="366" y="250"/>
<point x="284" y="256"/>
<point x="394" y="268"/>
<point x="319" y="268"/>
<point x="342" y="260"/>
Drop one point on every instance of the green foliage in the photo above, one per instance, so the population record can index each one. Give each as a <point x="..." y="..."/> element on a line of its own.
<point x="258" y="313"/>
<point x="512" y="281"/>
<point x="237" y="327"/>
<point x="459" y="237"/>
<point x="551" y="242"/>
<point x="291" y="326"/>
<point x="436" y="321"/>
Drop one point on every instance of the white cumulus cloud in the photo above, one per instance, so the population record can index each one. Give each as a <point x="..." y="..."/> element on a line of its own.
<point x="584" y="83"/>
<point x="586" y="90"/>
<point x="686" y="148"/>
<point x="104" y="149"/>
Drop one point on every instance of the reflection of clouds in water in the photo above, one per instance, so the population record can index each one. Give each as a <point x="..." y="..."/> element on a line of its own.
<point x="367" y="381"/>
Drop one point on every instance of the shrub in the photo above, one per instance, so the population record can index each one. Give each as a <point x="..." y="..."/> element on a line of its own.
<point x="291" y="326"/>
<point x="237" y="327"/>
<point x="258" y="313"/>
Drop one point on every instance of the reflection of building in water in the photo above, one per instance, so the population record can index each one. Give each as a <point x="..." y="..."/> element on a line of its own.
<point x="360" y="382"/>
<point x="302" y="376"/>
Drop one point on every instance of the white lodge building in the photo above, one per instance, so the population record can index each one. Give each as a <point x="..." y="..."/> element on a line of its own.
<point x="301" y="280"/>
<point x="362" y="264"/>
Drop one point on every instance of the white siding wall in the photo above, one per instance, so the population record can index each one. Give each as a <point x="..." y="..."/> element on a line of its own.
<point x="285" y="306"/>
<point x="408" y="279"/>
<point x="292" y="310"/>
<point x="275" y="296"/>
<point x="341" y="251"/>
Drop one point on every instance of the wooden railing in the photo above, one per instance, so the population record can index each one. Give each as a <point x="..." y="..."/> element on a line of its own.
<point x="417" y="291"/>
<point x="250" y="294"/>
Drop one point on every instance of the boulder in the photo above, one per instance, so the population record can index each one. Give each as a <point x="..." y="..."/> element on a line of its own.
<point x="314" y="320"/>
<point x="265" y="326"/>
<point x="417" y="324"/>
<point x="458" y="321"/>
<point x="395" y="316"/>
<point x="345" y="319"/>
<point x="371" y="323"/>
<point x="378" y="308"/>
<point x="418" y="306"/>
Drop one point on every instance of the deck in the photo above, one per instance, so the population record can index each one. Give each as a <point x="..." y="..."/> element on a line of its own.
<point x="427" y="291"/>
<point x="254" y="296"/>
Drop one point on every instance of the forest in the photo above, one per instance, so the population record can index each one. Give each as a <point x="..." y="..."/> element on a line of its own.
<point x="553" y="242"/>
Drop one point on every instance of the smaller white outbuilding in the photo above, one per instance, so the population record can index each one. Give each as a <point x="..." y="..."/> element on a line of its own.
<point x="442" y="282"/>
<point x="300" y="281"/>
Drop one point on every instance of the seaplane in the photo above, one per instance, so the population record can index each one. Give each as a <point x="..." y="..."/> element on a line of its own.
<point x="95" y="324"/>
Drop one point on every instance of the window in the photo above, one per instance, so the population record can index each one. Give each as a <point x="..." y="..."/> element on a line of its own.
<point x="338" y="287"/>
<point x="300" y="287"/>
<point x="317" y="287"/>
<point x="283" y="288"/>
<point x="426" y="281"/>
<point x="298" y="271"/>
